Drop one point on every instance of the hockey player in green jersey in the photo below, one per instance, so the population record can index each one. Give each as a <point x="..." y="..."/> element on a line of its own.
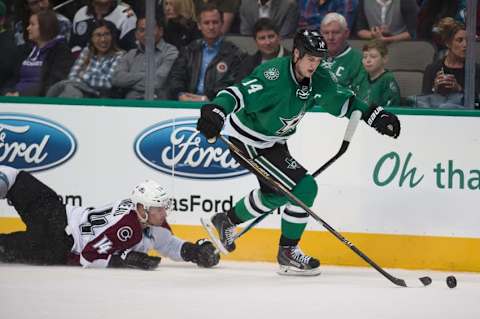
<point x="264" y="110"/>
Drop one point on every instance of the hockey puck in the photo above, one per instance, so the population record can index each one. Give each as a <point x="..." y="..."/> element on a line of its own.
<point x="451" y="282"/>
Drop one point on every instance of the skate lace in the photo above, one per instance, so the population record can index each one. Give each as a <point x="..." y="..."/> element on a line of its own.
<point x="299" y="256"/>
<point x="230" y="234"/>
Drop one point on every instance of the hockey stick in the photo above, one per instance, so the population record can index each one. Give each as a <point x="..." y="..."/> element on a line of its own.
<point x="347" y="137"/>
<point x="267" y="178"/>
<point x="63" y="4"/>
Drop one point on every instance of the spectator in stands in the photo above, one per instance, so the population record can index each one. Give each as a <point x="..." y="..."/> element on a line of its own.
<point x="206" y="65"/>
<point x="8" y="53"/>
<point x="446" y="77"/>
<point x="121" y="15"/>
<point x="229" y="9"/>
<point x="312" y="12"/>
<point x="344" y="61"/>
<point x="283" y="13"/>
<point x="180" y="23"/>
<point x="25" y="8"/>
<point x="432" y="12"/>
<point x="131" y="70"/>
<point x="387" y="20"/>
<point x="381" y="88"/>
<point x="91" y="75"/>
<point x="268" y="41"/>
<point x="48" y="62"/>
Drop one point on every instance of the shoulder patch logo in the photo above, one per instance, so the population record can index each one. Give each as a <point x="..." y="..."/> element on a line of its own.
<point x="222" y="67"/>
<point x="272" y="74"/>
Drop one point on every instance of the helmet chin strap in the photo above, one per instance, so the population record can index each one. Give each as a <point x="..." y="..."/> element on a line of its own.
<point x="294" y="63"/>
<point x="305" y="80"/>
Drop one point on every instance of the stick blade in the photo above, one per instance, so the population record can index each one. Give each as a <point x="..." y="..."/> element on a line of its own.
<point x="399" y="282"/>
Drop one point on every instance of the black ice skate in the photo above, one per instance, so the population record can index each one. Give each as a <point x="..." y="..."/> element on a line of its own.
<point x="293" y="261"/>
<point x="225" y="229"/>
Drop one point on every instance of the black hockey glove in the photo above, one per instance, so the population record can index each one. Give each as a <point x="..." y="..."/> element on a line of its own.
<point x="134" y="259"/>
<point x="202" y="253"/>
<point x="382" y="121"/>
<point x="211" y="120"/>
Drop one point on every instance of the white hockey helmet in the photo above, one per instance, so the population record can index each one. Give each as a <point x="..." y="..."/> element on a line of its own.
<point x="150" y="194"/>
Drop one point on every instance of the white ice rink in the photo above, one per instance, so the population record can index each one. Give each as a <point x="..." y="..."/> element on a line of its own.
<point x="231" y="290"/>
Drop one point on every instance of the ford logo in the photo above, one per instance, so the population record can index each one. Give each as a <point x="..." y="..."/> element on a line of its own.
<point x="32" y="143"/>
<point x="176" y="147"/>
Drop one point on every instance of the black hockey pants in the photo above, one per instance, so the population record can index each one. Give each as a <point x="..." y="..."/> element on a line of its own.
<point x="44" y="242"/>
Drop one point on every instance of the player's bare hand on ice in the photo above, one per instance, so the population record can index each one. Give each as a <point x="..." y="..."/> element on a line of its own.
<point x="211" y="120"/>
<point x="382" y="121"/>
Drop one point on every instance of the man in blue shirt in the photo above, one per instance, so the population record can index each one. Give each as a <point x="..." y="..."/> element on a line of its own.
<point x="206" y="65"/>
<point x="312" y="12"/>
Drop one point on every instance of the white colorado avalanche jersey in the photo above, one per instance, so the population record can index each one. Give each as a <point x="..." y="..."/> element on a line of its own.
<point x="162" y="240"/>
<point x="100" y="232"/>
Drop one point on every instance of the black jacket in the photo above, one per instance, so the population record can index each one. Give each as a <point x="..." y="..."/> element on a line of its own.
<point x="181" y="34"/>
<point x="431" y="73"/>
<point x="8" y="57"/>
<point x="221" y="72"/>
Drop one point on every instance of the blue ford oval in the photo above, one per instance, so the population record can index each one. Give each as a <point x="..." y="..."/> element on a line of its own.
<point x="33" y="143"/>
<point x="176" y="147"/>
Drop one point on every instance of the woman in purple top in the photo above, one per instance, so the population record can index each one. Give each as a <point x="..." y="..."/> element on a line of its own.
<point x="47" y="63"/>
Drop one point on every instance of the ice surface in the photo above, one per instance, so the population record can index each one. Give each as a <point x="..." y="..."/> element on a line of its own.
<point x="231" y="290"/>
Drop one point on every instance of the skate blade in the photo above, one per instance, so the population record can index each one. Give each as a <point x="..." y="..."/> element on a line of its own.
<point x="293" y="271"/>
<point x="212" y="231"/>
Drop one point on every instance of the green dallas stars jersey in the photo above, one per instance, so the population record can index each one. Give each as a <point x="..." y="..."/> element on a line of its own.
<point x="348" y="69"/>
<point x="382" y="91"/>
<point x="266" y="107"/>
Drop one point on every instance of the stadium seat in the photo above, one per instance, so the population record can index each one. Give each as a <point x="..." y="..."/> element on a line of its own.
<point x="410" y="82"/>
<point x="405" y="55"/>
<point x="246" y="43"/>
<point x="410" y="55"/>
<point x="357" y="43"/>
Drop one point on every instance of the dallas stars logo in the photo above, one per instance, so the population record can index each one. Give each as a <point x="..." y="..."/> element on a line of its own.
<point x="289" y="124"/>
<point x="291" y="163"/>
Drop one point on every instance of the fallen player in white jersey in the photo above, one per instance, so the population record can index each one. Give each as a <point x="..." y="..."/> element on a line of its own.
<point x="115" y="235"/>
